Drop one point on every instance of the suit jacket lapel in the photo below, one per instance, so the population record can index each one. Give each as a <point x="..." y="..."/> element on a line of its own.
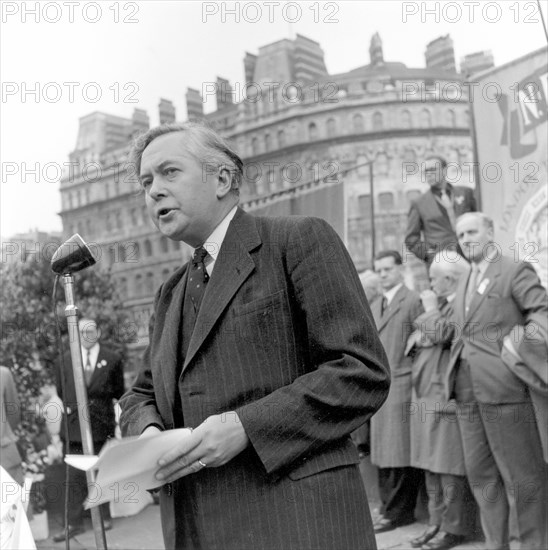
<point x="170" y="335"/>
<point x="232" y="267"/>
<point x="490" y="277"/>
<point x="394" y="307"/>
<point x="435" y="204"/>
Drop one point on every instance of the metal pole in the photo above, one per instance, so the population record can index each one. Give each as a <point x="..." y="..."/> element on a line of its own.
<point x="71" y="313"/>
<point x="372" y="212"/>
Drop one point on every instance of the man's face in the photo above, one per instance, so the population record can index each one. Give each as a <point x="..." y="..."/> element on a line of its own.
<point x="434" y="173"/>
<point x="89" y="333"/>
<point x="389" y="272"/>
<point x="474" y="238"/>
<point x="181" y="198"/>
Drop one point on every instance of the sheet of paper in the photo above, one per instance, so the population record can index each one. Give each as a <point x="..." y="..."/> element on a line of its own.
<point x="126" y="466"/>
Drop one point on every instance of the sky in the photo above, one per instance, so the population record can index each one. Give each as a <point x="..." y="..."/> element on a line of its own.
<point x="110" y="56"/>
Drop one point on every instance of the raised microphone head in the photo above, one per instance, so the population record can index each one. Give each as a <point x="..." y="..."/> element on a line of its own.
<point x="72" y="256"/>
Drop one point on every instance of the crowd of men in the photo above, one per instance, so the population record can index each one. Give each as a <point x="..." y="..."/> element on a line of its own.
<point x="467" y="410"/>
<point x="271" y="350"/>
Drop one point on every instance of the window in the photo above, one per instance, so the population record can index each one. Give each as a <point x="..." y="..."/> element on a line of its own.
<point x="138" y="285"/>
<point x="133" y="217"/>
<point x="164" y="246"/>
<point x="165" y="274"/>
<point x="281" y="139"/>
<point x="122" y="286"/>
<point x="254" y="146"/>
<point x="377" y="120"/>
<point x="331" y="127"/>
<point x="148" y="248"/>
<point x="425" y="119"/>
<point x="149" y="283"/>
<point x="386" y="201"/>
<point x="312" y="131"/>
<point x="364" y="206"/>
<point x="267" y="143"/>
<point x="451" y="119"/>
<point x="357" y="123"/>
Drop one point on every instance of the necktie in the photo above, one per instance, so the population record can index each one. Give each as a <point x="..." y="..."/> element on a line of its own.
<point x="384" y="305"/>
<point x="448" y="205"/>
<point x="88" y="369"/>
<point x="472" y="284"/>
<point x="198" y="278"/>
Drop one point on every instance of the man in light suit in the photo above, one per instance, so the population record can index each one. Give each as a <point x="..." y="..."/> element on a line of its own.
<point x="264" y="344"/>
<point x="394" y="314"/>
<point x="502" y="449"/>
<point x="431" y="218"/>
<point x="104" y="375"/>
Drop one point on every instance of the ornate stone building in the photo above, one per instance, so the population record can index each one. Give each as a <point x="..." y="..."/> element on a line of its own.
<point x="310" y="141"/>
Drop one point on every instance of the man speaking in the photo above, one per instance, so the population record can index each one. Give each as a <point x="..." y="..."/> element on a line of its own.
<point x="264" y="344"/>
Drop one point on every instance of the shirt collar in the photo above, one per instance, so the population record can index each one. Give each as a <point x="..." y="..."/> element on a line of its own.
<point x="213" y="243"/>
<point x="489" y="258"/>
<point x="389" y="294"/>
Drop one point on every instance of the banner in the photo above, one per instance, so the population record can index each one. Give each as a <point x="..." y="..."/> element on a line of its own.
<point x="511" y="120"/>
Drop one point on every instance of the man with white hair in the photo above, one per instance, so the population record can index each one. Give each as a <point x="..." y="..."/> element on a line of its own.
<point x="435" y="440"/>
<point x="502" y="449"/>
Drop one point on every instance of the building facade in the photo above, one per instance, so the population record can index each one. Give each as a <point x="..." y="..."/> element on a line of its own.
<point x="311" y="143"/>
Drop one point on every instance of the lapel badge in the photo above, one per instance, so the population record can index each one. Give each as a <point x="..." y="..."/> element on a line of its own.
<point x="483" y="286"/>
<point x="459" y="200"/>
<point x="101" y="363"/>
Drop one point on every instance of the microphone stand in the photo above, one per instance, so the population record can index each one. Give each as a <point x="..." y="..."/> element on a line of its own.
<point x="71" y="313"/>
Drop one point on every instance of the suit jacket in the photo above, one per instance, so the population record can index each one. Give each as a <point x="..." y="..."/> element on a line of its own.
<point x="531" y="366"/>
<point x="284" y="337"/>
<point x="107" y="383"/>
<point x="435" y="440"/>
<point x="428" y="225"/>
<point x="508" y="294"/>
<point x="390" y="432"/>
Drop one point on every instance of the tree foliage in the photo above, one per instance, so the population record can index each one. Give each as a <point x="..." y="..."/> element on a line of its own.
<point x="28" y="339"/>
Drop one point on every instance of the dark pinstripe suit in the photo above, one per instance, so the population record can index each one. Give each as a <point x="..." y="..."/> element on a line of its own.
<point x="285" y="338"/>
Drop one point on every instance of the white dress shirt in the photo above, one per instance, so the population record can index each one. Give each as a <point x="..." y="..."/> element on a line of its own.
<point x="215" y="240"/>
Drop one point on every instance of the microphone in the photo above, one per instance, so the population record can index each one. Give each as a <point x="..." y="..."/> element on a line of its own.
<point x="72" y="256"/>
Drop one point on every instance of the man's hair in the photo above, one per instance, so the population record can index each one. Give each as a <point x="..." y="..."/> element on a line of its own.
<point x="450" y="263"/>
<point x="485" y="219"/>
<point x="442" y="161"/>
<point x="202" y="142"/>
<point x="389" y="254"/>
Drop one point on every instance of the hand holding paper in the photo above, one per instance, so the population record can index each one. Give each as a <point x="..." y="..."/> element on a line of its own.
<point x="213" y="443"/>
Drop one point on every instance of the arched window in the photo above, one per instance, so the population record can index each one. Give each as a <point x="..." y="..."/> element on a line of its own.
<point x="148" y="247"/>
<point x="254" y="146"/>
<point x="149" y="284"/>
<point x="267" y="143"/>
<point x="406" y="121"/>
<point x="377" y="120"/>
<point x="164" y="245"/>
<point x="331" y="127"/>
<point x="357" y="123"/>
<point x="133" y="217"/>
<point x="312" y="131"/>
<point x="138" y="285"/>
<point x="451" y="118"/>
<point x="165" y="275"/>
<point x="281" y="139"/>
<point x="381" y="164"/>
<point x="122" y="286"/>
<point x="425" y="119"/>
<point x="386" y="201"/>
